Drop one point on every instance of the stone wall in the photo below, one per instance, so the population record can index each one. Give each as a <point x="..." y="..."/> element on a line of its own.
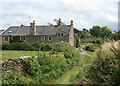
<point x="54" y="39"/>
<point x="9" y="65"/>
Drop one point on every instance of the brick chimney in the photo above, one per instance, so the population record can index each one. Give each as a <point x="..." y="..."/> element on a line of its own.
<point x="59" y="21"/>
<point x="71" y="22"/>
<point x="71" y="33"/>
<point x="22" y="25"/>
<point x="32" y="28"/>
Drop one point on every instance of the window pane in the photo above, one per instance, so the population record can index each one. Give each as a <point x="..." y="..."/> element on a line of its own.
<point x="49" y="38"/>
<point x="61" y="34"/>
<point x="23" y="38"/>
<point x="45" y="38"/>
<point x="6" y="38"/>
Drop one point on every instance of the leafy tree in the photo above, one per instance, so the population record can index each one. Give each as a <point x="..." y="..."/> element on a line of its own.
<point x="85" y="30"/>
<point x="101" y="32"/>
<point x="84" y="34"/>
<point x="76" y="30"/>
<point x="95" y="31"/>
<point x="116" y="35"/>
<point x="106" y="32"/>
<point x="58" y="22"/>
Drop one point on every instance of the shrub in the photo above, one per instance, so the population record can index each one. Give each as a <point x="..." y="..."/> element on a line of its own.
<point x="13" y="78"/>
<point x="5" y="47"/>
<point x="32" y="66"/>
<point x="60" y="47"/>
<point x="17" y="46"/>
<point x="98" y="41"/>
<point x="46" y="47"/>
<point x="36" y="45"/>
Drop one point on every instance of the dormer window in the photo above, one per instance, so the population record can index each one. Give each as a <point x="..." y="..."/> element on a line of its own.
<point x="60" y="34"/>
<point x="6" y="38"/>
<point x="22" y="38"/>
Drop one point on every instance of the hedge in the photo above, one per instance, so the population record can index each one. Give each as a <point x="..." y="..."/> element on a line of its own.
<point x="27" y="46"/>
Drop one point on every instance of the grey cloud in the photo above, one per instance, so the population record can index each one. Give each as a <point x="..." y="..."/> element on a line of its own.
<point x="84" y="14"/>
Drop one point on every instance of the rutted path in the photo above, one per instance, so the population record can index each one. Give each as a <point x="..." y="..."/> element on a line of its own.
<point x="65" y="78"/>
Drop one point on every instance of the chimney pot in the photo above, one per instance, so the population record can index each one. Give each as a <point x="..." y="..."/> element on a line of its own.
<point x="59" y="21"/>
<point x="22" y="25"/>
<point x="34" y="21"/>
<point x="32" y="28"/>
<point x="71" y="22"/>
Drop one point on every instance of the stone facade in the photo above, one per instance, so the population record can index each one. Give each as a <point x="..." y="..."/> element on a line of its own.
<point x="53" y="40"/>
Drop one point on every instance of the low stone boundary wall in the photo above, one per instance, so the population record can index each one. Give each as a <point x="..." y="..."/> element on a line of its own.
<point x="14" y="63"/>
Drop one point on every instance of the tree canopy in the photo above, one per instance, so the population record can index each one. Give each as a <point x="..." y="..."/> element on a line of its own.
<point x="101" y="32"/>
<point x="58" y="22"/>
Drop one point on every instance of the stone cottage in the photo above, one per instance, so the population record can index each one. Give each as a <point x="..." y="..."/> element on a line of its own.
<point x="45" y="34"/>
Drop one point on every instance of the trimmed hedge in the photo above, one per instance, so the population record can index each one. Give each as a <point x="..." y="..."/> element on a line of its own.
<point x="27" y="46"/>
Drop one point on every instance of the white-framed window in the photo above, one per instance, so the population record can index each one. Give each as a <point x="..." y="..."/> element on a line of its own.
<point x="43" y="38"/>
<point x="6" y="38"/>
<point x="60" y="34"/>
<point x="49" y="38"/>
<point x="22" y="38"/>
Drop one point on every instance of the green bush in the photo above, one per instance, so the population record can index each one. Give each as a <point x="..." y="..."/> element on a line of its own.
<point x="32" y="66"/>
<point x="98" y="41"/>
<point x="5" y="47"/>
<point x="36" y="45"/>
<point x="27" y="46"/>
<point x="72" y="55"/>
<point x="13" y="78"/>
<point x="61" y="46"/>
<point x="17" y="46"/>
<point x="46" y="47"/>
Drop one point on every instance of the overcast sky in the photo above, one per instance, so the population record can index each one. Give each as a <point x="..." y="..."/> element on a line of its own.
<point x="85" y="14"/>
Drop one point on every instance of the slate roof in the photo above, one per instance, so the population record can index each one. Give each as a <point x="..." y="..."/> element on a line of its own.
<point x="40" y="30"/>
<point x="88" y="39"/>
<point x="1" y="31"/>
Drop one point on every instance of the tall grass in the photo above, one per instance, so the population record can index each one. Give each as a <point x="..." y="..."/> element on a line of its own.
<point x="105" y="69"/>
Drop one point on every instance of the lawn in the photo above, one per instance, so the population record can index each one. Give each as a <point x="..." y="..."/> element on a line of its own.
<point x="7" y="54"/>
